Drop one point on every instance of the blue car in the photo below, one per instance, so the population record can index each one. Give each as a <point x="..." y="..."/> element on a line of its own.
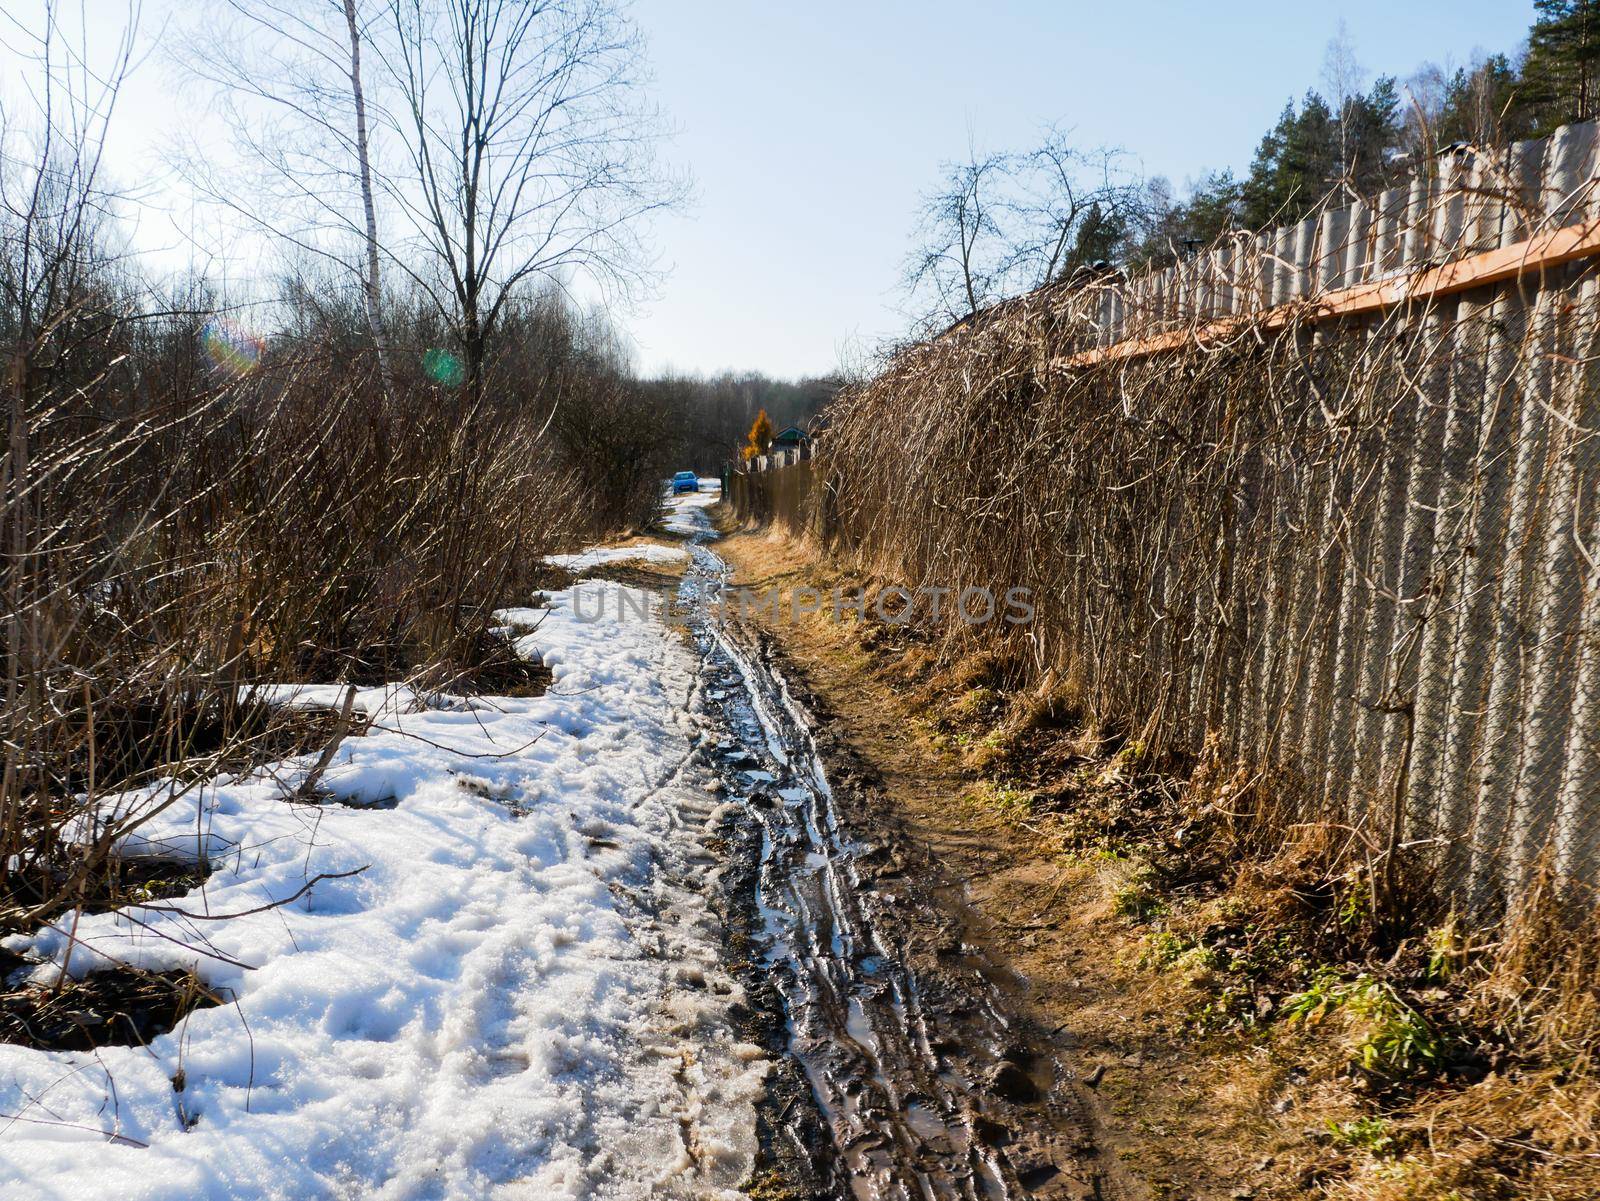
<point x="685" y="481"/>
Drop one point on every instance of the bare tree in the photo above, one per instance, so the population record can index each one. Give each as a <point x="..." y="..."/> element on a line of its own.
<point x="295" y="99"/>
<point x="961" y="254"/>
<point x="530" y="153"/>
<point x="52" y="199"/>
<point x="1073" y="206"/>
<point x="1000" y="224"/>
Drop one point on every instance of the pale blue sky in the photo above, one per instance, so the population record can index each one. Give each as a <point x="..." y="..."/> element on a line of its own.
<point x="812" y="127"/>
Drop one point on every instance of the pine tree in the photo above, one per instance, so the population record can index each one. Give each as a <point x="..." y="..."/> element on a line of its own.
<point x="1370" y="129"/>
<point x="1213" y="207"/>
<point x="1561" y="77"/>
<point x="1484" y="106"/>
<point x="1100" y="237"/>
<point x="1294" y="165"/>
<point x="1312" y="150"/>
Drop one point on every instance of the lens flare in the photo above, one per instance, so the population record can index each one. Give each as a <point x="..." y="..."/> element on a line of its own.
<point x="442" y="367"/>
<point x="230" y="347"/>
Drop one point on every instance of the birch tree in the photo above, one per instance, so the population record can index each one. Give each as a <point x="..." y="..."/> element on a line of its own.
<point x="529" y="154"/>
<point x="292" y="93"/>
<point x="374" y="282"/>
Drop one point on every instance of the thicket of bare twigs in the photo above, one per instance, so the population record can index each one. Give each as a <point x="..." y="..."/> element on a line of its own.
<point x="190" y="510"/>
<point x="174" y="534"/>
<point x="190" y="513"/>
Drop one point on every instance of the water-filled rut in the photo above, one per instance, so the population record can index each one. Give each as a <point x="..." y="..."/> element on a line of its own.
<point x="903" y="1028"/>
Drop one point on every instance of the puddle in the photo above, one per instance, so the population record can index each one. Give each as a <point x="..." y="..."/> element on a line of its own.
<point x="850" y="946"/>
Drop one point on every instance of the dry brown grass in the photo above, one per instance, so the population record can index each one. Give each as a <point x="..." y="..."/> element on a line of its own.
<point x="1181" y="912"/>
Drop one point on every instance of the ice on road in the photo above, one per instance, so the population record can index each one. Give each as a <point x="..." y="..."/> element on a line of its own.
<point x="687" y="514"/>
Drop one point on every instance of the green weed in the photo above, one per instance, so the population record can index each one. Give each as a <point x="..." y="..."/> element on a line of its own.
<point x="1397" y="1041"/>
<point x="1447" y="952"/>
<point x="1011" y="802"/>
<point x="1138" y="898"/>
<point x="1164" y="949"/>
<point x="1367" y="1134"/>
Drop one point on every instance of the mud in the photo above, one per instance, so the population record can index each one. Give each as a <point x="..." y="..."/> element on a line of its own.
<point x="905" y="1070"/>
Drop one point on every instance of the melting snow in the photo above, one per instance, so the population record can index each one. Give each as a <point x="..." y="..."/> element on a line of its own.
<point x="687" y="514"/>
<point x="520" y="997"/>
<point x="650" y="552"/>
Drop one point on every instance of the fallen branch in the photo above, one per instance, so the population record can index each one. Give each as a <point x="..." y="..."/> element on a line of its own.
<point x="288" y="900"/>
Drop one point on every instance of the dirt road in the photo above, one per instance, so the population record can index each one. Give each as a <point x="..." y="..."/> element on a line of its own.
<point x="908" y="1071"/>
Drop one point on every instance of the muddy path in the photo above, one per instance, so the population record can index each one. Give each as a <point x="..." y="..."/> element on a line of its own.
<point x="905" y="1070"/>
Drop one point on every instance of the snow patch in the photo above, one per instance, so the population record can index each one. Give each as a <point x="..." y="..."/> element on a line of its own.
<point x="648" y="552"/>
<point x="686" y="514"/>
<point x="520" y="996"/>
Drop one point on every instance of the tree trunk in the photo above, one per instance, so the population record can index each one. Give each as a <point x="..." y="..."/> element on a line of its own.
<point x="372" y="288"/>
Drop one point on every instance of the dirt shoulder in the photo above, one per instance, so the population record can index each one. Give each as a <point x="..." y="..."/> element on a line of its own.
<point x="1187" y="1117"/>
<point x="1165" y="997"/>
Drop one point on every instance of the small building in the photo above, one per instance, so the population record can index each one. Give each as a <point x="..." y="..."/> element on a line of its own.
<point x="789" y="438"/>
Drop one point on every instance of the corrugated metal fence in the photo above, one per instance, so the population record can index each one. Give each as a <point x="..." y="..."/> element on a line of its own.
<point x="1460" y="670"/>
<point x="1366" y="550"/>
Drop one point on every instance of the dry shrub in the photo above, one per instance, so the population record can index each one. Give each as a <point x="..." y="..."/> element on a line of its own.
<point x="1530" y="1128"/>
<point x="118" y="1007"/>
<point x="1540" y="987"/>
<point x="1530" y="1136"/>
<point x="175" y="535"/>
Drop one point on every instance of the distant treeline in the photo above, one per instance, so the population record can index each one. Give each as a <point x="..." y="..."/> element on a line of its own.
<point x="714" y="414"/>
